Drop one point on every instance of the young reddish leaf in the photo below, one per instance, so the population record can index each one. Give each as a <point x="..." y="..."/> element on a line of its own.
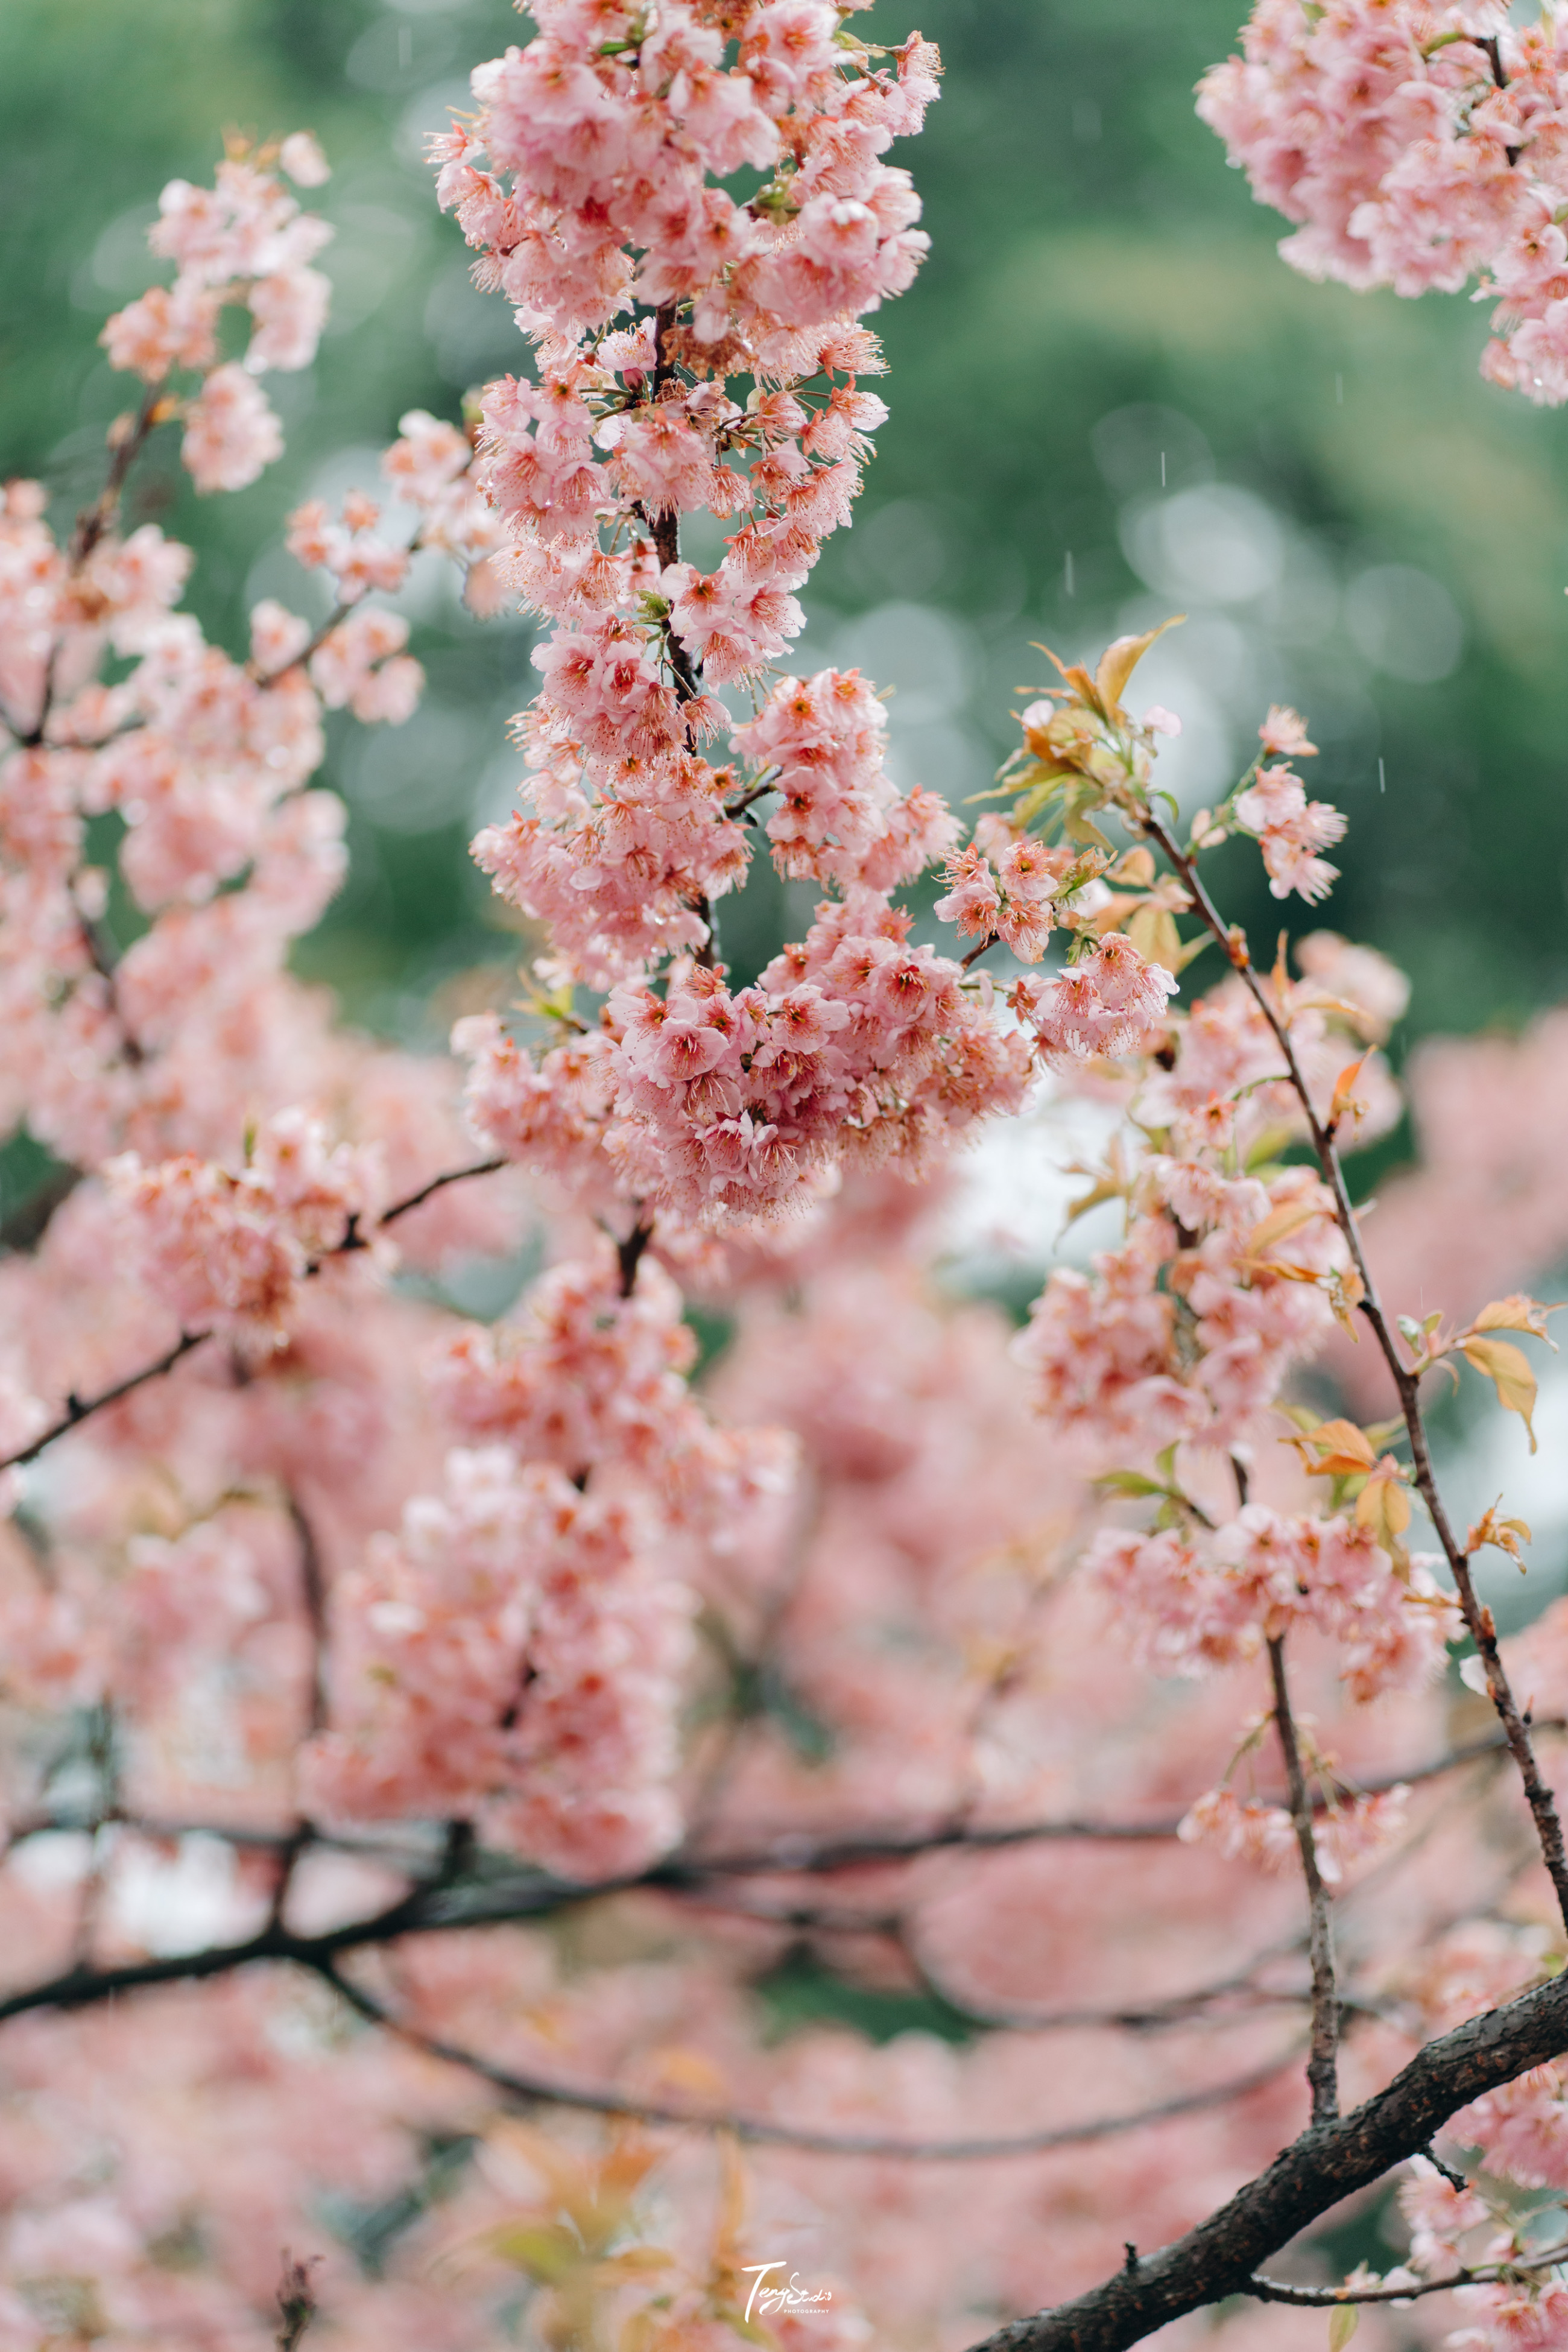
<point x="1346" y="1292"/>
<point x="1345" y="1100"/>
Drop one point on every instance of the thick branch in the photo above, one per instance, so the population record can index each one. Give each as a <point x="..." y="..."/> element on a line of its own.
<point x="1323" y="2075"/>
<point x="1329" y="2161"/>
<point x="628" y="1255"/>
<point x="1478" y="1620"/>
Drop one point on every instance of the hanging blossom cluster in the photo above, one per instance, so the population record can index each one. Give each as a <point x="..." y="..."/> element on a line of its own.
<point x="519" y="1654"/>
<point x="588" y="184"/>
<point x="1419" y="147"/>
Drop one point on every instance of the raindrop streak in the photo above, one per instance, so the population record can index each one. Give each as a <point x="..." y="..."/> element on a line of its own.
<point x="1339" y="392"/>
<point x="1162" y="469"/>
<point x="1067" y="575"/>
<point x="1382" y="778"/>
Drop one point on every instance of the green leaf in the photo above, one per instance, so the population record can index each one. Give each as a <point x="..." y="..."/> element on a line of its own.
<point x="1342" y="2326"/>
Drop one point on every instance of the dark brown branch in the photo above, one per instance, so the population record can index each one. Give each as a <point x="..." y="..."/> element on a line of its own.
<point x="1477" y="1619"/>
<point x="334" y="620"/>
<point x="313" y="1596"/>
<point x="1329" y="2162"/>
<point x="628" y="1255"/>
<point x="80" y="1409"/>
<point x="685" y="1871"/>
<point x="296" y="2304"/>
<point x="743" y="801"/>
<point x="1323" y="2075"/>
<point x="413" y="1200"/>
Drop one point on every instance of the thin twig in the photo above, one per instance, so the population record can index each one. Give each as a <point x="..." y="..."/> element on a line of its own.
<point x="628" y="1255"/>
<point x="1477" y="1619"/>
<point x="438" y="1184"/>
<point x="1329" y="2298"/>
<point x="1321" y="2067"/>
<point x="80" y="1409"/>
<point x="684" y="1871"/>
<point x="297" y="2304"/>
<point x="91" y="524"/>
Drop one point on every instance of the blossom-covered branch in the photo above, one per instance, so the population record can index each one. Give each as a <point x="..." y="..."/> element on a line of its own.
<point x="80" y="1409"/>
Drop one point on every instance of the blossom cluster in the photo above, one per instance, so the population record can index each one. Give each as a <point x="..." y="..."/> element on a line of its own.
<point x="604" y="141"/>
<point x="243" y="242"/>
<point x="517" y="1656"/>
<point x="512" y="1657"/>
<point x="1193" y="1602"/>
<point x="1418" y="147"/>
<point x="228" y="1252"/>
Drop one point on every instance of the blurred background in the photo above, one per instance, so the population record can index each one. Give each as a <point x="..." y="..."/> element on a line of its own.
<point x="1109" y="400"/>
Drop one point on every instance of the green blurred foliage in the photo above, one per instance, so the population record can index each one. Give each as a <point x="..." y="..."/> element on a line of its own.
<point x="1103" y="308"/>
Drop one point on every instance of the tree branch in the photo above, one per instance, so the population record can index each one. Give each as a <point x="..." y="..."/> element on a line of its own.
<point x="1322" y="2075"/>
<point x="1329" y="2162"/>
<point x="1477" y="1619"/>
<point x="1329" y="2298"/>
<point x="762" y="2130"/>
<point x="80" y="1409"/>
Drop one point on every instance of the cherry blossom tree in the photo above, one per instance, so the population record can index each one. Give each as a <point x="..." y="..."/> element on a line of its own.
<point x="440" y="1755"/>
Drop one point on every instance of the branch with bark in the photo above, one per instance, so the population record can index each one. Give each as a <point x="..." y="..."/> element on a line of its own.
<point x="80" y="1409"/>
<point x="1331" y="2161"/>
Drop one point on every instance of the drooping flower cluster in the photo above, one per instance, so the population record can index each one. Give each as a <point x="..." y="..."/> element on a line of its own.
<point x="512" y="1657"/>
<point x="516" y="1655"/>
<point x="1189" y="1330"/>
<point x="612" y="136"/>
<point x="604" y="143"/>
<point x="1418" y="147"/>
